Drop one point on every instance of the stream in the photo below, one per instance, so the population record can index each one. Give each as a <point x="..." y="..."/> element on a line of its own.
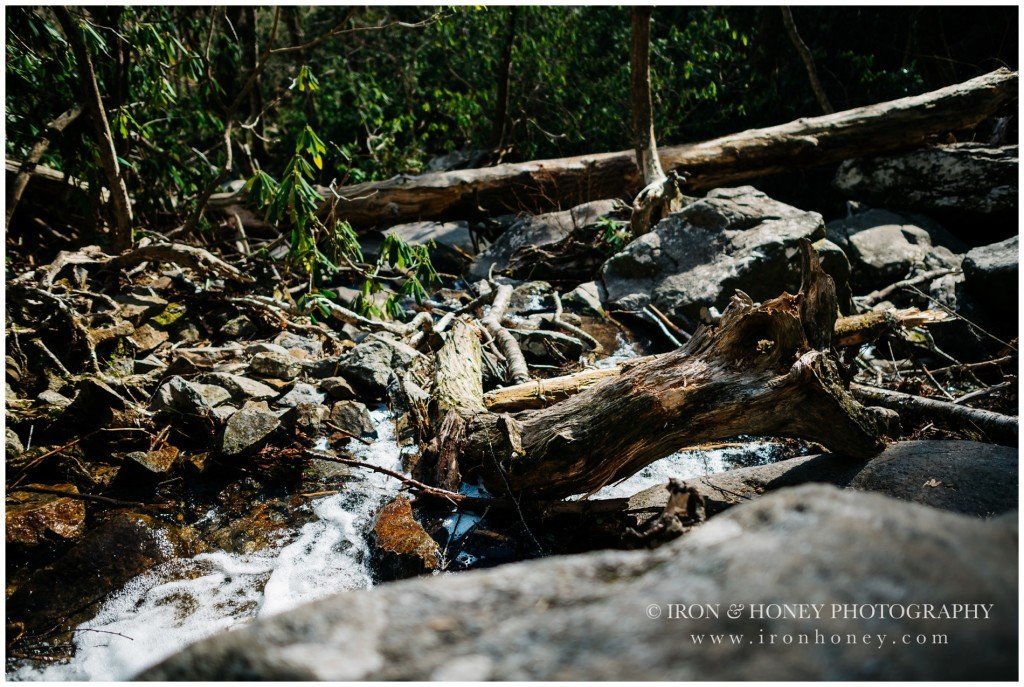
<point x="188" y="599"/>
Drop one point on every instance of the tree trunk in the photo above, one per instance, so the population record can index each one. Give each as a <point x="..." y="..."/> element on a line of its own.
<point x="501" y="118"/>
<point x="94" y="103"/>
<point x="808" y="60"/>
<point x="38" y="150"/>
<point x="764" y="370"/>
<point x="542" y="185"/>
<point x="650" y="204"/>
<point x="849" y="331"/>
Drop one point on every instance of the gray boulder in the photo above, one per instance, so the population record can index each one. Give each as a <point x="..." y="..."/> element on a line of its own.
<point x="636" y="615"/>
<point x="451" y="245"/>
<point x="370" y="365"/>
<point x="695" y="259"/>
<point x="178" y="395"/>
<point x="241" y="388"/>
<point x="962" y="177"/>
<point x="539" y="230"/>
<point x="276" y="365"/>
<point x="249" y="428"/>
<point x="884" y="247"/>
<point x="352" y="418"/>
<point x="991" y="275"/>
<point x="301" y="393"/>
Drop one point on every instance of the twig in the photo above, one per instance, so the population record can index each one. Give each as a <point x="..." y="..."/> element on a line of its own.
<point x="982" y="392"/>
<point x="92" y="497"/>
<point x="958" y="315"/>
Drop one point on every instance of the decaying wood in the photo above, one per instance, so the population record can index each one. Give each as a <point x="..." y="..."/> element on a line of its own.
<point x="189" y="256"/>
<point x="457" y="372"/>
<point x="849" y="331"/>
<point x="998" y="427"/>
<point x="514" y="361"/>
<point x="541" y="185"/>
<point x="756" y="373"/>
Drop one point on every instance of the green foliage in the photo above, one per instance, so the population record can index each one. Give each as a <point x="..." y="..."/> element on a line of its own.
<point x="614" y="232"/>
<point x="403" y="84"/>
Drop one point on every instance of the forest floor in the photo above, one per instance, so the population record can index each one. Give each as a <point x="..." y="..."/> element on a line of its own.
<point x="187" y="449"/>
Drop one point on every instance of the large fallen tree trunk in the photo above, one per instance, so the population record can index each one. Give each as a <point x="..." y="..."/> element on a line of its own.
<point x="765" y="370"/>
<point x="849" y="331"/>
<point x="541" y="185"/>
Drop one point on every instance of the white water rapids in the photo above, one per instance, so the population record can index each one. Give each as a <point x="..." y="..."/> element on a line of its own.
<point x="186" y="600"/>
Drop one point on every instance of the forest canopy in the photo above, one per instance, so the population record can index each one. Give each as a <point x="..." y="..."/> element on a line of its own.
<point x="378" y="91"/>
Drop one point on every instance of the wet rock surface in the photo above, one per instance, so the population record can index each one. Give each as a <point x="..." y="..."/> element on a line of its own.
<point x="31" y="518"/>
<point x="966" y="477"/>
<point x="588" y="617"/>
<point x="124" y="546"/>
<point x="401" y="547"/>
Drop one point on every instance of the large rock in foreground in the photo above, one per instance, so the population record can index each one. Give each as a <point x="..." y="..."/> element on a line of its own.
<point x="963" y="177"/>
<point x="734" y="238"/>
<point x="626" y="615"/>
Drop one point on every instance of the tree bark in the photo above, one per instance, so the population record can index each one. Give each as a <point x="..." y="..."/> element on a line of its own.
<point x="849" y="331"/>
<point x="38" y="150"/>
<point x="808" y="60"/>
<point x="94" y="103"/>
<point x="542" y="185"/>
<point x="650" y="204"/>
<point x="757" y="373"/>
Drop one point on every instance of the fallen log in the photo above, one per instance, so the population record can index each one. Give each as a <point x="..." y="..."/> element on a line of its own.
<point x="996" y="426"/>
<point x="849" y="331"/>
<point x="756" y="373"/>
<point x="541" y="185"/>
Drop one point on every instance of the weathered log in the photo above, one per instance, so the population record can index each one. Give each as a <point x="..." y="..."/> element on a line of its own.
<point x="541" y="185"/>
<point x="996" y="426"/>
<point x="849" y="331"/>
<point x="514" y="361"/>
<point x="756" y="373"/>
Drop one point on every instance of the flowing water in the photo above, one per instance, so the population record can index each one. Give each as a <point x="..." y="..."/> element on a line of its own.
<point x="185" y="600"/>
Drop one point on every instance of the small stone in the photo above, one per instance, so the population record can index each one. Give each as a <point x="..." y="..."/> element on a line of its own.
<point x="585" y="298"/>
<point x="158" y="462"/>
<point x="275" y="364"/>
<point x="352" y="418"/>
<point x="552" y="348"/>
<point x="30" y="517"/>
<point x="178" y="395"/>
<point x="310" y="348"/>
<point x="12" y="446"/>
<point x="301" y="393"/>
<point x="249" y="428"/>
<point x="307" y="418"/>
<point x="213" y="394"/>
<point x="136" y="307"/>
<point x="241" y="388"/>
<point x="264" y="347"/>
<point x="222" y="413"/>
<point x="148" y="364"/>
<point x="52" y="398"/>
<point x="147" y="338"/>
<point x="238" y="328"/>
<point x="337" y="388"/>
